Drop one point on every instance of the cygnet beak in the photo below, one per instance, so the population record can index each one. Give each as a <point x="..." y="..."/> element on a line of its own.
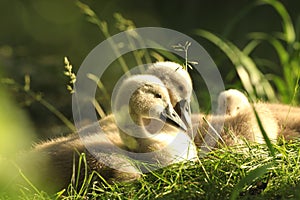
<point x="170" y="116"/>
<point x="184" y="111"/>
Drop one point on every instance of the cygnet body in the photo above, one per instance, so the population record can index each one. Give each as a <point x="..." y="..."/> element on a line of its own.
<point x="239" y="112"/>
<point x="288" y="118"/>
<point x="153" y="125"/>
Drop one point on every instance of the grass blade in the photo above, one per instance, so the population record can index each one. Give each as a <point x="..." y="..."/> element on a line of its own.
<point x="252" y="175"/>
<point x="251" y="77"/>
<point x="280" y="49"/>
<point x="287" y="25"/>
<point x="264" y="133"/>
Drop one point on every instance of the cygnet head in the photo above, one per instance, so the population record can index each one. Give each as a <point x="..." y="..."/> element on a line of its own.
<point x="231" y="101"/>
<point x="179" y="85"/>
<point x="147" y="99"/>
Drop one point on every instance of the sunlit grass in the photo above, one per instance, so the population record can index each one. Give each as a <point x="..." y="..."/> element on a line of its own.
<point x="226" y="173"/>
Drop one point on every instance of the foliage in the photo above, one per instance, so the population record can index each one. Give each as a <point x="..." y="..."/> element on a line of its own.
<point x="287" y="47"/>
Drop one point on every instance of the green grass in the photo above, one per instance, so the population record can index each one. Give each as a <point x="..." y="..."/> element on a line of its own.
<point x="228" y="173"/>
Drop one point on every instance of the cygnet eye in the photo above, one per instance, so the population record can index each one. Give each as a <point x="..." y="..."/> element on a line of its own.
<point x="157" y="95"/>
<point x="237" y="107"/>
<point x="180" y="88"/>
<point x="187" y="109"/>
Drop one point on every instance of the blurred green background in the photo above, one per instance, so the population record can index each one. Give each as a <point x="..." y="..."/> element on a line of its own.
<point x="37" y="35"/>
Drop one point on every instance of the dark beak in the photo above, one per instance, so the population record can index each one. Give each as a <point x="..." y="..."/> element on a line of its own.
<point x="184" y="111"/>
<point x="170" y="116"/>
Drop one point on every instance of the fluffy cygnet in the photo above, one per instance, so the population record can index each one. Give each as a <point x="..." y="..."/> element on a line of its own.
<point x="288" y="118"/>
<point x="150" y="107"/>
<point x="236" y="115"/>
<point x="146" y="127"/>
<point x="237" y="107"/>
